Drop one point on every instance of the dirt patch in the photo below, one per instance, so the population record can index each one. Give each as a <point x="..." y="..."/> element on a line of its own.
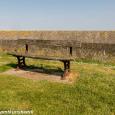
<point x="72" y="77"/>
<point x="40" y="74"/>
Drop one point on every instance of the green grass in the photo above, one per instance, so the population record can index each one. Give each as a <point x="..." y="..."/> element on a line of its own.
<point x="94" y="62"/>
<point x="93" y="93"/>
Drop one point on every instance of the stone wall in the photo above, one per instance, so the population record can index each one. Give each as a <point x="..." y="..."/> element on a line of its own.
<point x="83" y="36"/>
<point x="90" y="45"/>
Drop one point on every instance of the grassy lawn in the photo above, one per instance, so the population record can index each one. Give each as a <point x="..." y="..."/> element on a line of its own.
<point x="93" y="93"/>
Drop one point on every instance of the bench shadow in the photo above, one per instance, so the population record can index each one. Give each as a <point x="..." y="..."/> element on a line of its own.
<point x="51" y="70"/>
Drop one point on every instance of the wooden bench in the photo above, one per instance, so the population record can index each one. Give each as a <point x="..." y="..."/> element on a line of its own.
<point x="65" y="59"/>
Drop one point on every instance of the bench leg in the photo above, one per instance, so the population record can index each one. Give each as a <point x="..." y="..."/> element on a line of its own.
<point x="66" y="69"/>
<point x="21" y="60"/>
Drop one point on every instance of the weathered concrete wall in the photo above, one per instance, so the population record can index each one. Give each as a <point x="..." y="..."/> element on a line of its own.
<point x="83" y="36"/>
<point x="11" y="46"/>
<point x="93" y="45"/>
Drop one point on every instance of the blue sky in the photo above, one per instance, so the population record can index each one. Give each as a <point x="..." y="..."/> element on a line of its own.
<point x="57" y="14"/>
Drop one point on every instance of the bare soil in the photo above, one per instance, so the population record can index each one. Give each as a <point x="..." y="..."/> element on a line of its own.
<point x="40" y="74"/>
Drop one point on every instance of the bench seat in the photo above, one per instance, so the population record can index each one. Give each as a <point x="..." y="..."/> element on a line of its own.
<point x="42" y="56"/>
